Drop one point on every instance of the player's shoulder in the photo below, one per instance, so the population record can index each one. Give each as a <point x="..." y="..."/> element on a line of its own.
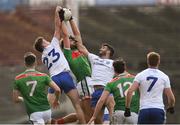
<point x="25" y="74"/>
<point x="143" y="72"/>
<point x="130" y="75"/>
<point x="161" y="73"/>
<point x="54" y="39"/>
<point x="93" y="55"/>
<point x="37" y="73"/>
<point x="19" y="76"/>
<point x="114" y="80"/>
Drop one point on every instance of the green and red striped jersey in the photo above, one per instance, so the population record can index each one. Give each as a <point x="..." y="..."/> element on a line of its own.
<point x="32" y="86"/>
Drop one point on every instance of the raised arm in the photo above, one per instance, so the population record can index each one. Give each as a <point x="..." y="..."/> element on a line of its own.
<point x="82" y="49"/>
<point x="75" y="30"/>
<point x="65" y="36"/>
<point x="57" y="22"/>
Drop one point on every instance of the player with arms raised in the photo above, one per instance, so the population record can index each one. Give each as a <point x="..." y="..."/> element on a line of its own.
<point x="102" y="73"/>
<point x="79" y="65"/>
<point x="54" y="59"/>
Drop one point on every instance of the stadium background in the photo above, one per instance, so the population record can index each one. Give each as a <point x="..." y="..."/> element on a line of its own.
<point x="133" y="28"/>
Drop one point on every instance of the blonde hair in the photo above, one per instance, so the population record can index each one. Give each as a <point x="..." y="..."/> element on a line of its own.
<point x="153" y="59"/>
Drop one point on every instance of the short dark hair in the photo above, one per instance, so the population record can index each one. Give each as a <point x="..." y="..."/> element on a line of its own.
<point x="119" y="65"/>
<point x="153" y="59"/>
<point x="111" y="49"/>
<point x="29" y="59"/>
<point x="70" y="38"/>
<point x="38" y="44"/>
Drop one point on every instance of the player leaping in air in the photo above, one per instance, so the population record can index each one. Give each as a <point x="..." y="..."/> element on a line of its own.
<point x="80" y="66"/>
<point x="55" y="61"/>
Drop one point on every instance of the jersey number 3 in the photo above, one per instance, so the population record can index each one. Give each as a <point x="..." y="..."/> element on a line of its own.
<point x="55" y="55"/>
<point x="154" y="80"/>
<point x="33" y="84"/>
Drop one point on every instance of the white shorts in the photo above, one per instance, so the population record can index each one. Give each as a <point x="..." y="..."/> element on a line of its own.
<point x="84" y="88"/>
<point x="41" y="117"/>
<point x="119" y="118"/>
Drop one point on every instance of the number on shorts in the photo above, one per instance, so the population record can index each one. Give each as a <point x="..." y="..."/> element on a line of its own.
<point x="33" y="84"/>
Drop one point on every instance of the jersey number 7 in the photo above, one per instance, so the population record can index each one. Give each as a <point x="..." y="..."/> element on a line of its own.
<point x="33" y="84"/>
<point x="154" y="80"/>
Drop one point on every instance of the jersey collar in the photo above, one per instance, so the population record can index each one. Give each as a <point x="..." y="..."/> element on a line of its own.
<point x="29" y="70"/>
<point x="122" y="74"/>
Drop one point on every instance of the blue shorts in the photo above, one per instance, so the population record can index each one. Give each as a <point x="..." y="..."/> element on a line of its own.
<point x="64" y="81"/>
<point x="95" y="96"/>
<point x="106" y="117"/>
<point x="151" y="116"/>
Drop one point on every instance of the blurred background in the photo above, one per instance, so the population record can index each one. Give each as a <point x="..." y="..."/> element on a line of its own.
<point x="133" y="27"/>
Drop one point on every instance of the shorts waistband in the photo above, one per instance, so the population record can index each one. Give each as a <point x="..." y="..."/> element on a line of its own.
<point x="98" y="87"/>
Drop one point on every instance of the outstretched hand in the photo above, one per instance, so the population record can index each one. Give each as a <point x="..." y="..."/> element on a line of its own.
<point x="58" y="8"/>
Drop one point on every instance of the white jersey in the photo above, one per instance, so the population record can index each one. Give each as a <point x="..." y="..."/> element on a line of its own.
<point x="102" y="70"/>
<point x="54" y="58"/>
<point x="152" y="83"/>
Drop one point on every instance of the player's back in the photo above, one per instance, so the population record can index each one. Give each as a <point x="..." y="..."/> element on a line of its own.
<point x="119" y="86"/>
<point x="32" y="85"/>
<point x="54" y="58"/>
<point x="152" y="83"/>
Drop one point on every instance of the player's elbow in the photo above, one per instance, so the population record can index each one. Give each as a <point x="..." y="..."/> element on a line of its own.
<point x="57" y="90"/>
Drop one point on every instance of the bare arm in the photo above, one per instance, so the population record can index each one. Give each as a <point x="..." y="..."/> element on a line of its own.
<point x="16" y="96"/>
<point x="65" y="36"/>
<point x="76" y="31"/>
<point x="82" y="49"/>
<point x="57" y="22"/>
<point x="99" y="105"/>
<point x="57" y="93"/>
<point x="78" y="38"/>
<point x="170" y="96"/>
<point x="132" y="88"/>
